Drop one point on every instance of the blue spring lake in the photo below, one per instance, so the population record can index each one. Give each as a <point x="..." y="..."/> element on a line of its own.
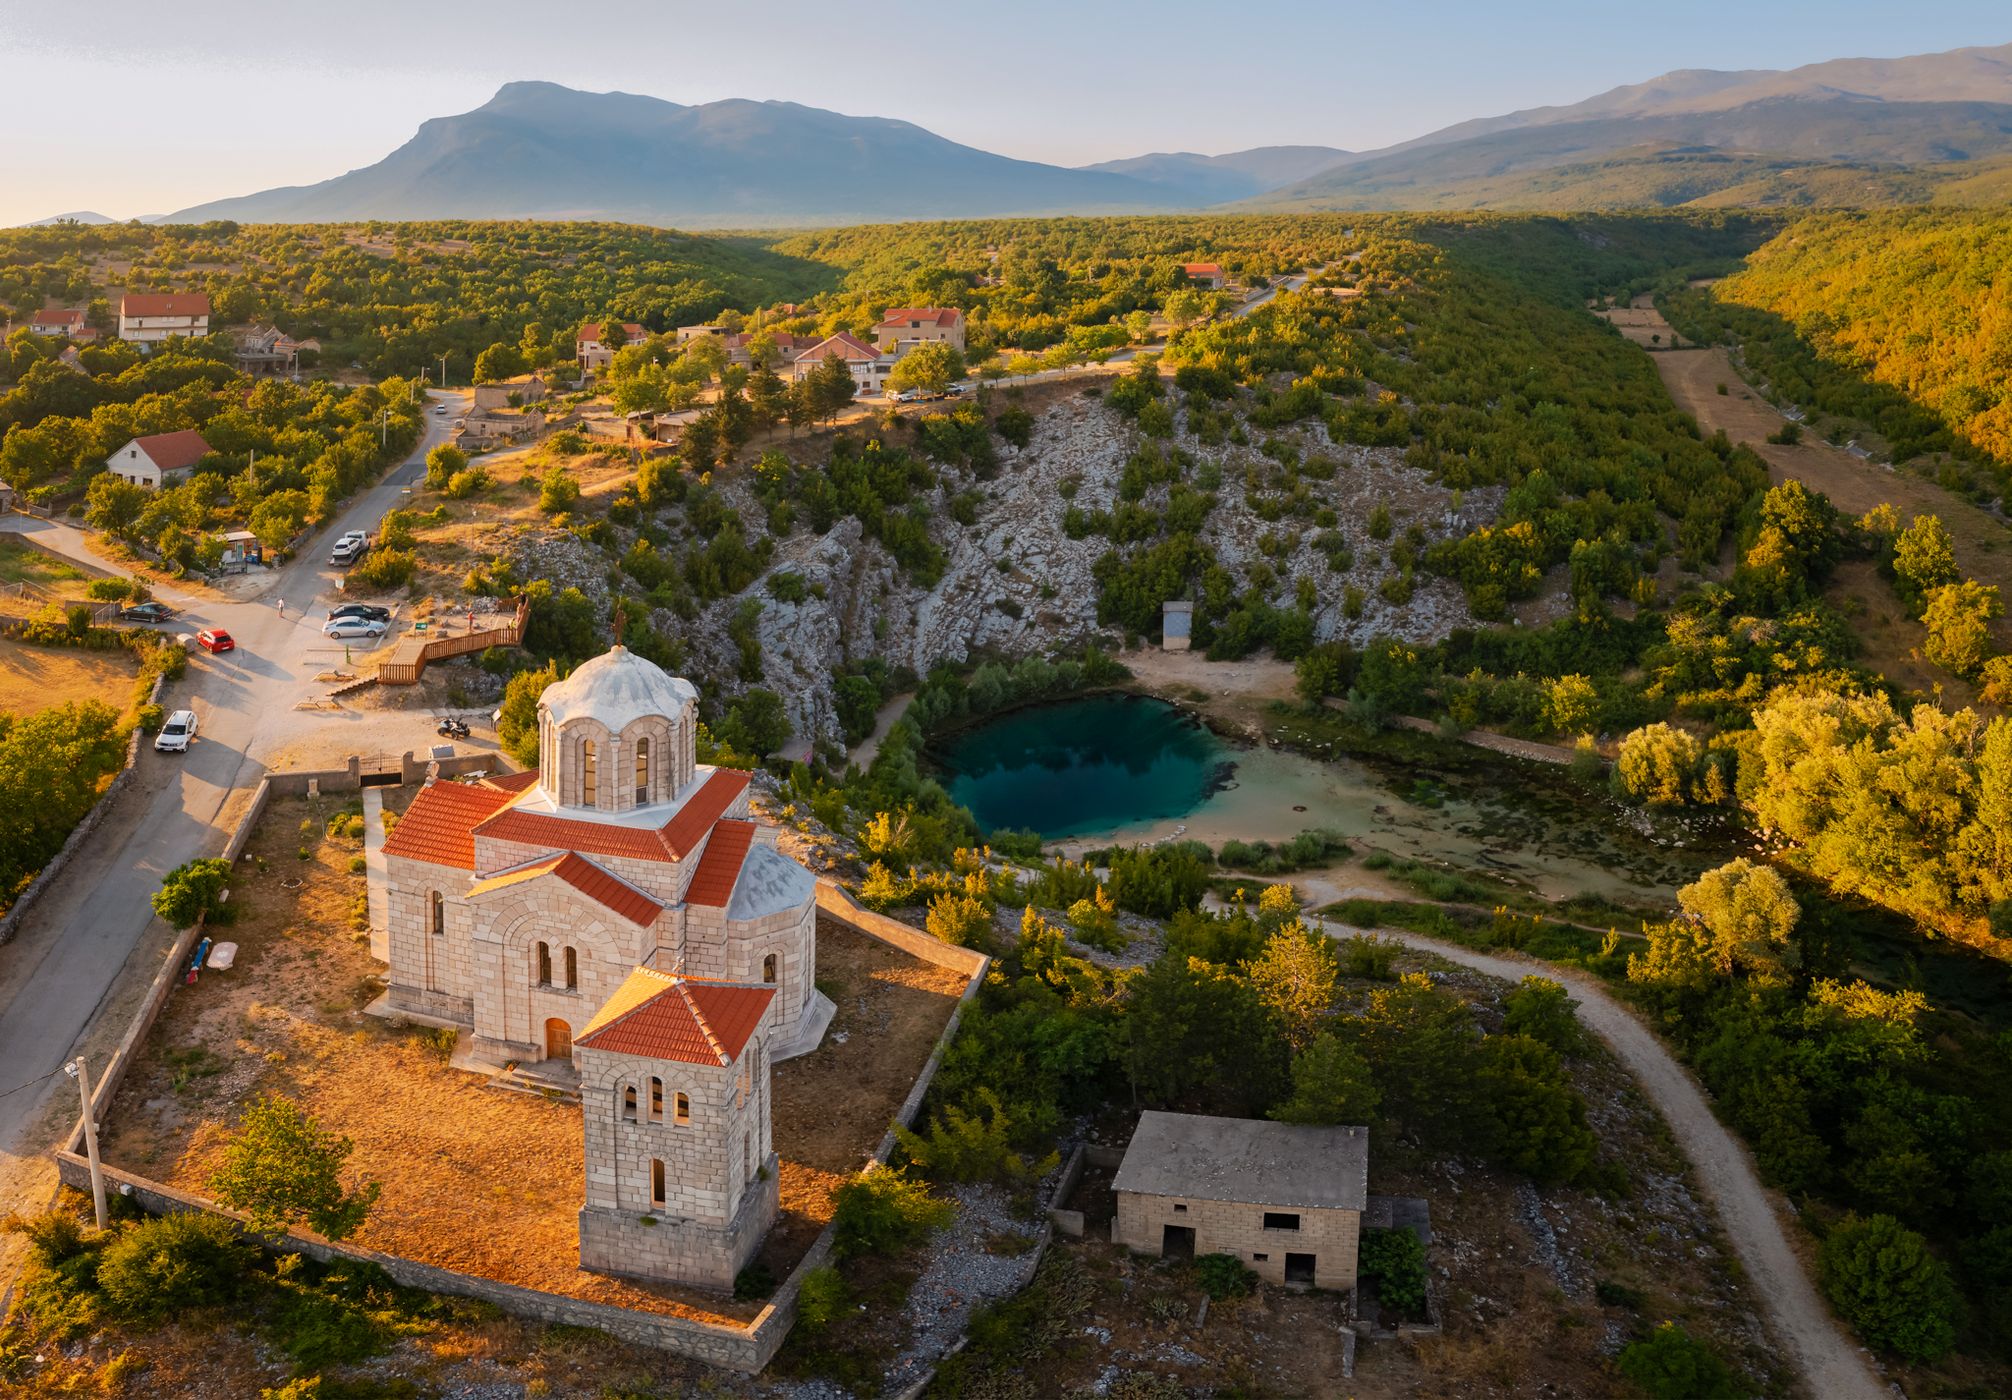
<point x="1089" y="765"/>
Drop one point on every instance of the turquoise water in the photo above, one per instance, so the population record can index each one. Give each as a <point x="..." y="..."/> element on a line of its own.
<point x="1096" y="764"/>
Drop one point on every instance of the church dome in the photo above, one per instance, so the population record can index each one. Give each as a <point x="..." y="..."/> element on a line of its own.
<point x="617" y="688"/>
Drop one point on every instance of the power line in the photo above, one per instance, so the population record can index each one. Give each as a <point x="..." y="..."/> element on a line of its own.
<point x="31" y="1083"/>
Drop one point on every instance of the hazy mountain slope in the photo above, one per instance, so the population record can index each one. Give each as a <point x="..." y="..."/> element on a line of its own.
<point x="1236" y="175"/>
<point x="1958" y="75"/>
<point x="1507" y="169"/>
<point x="538" y="150"/>
<point x="75" y="216"/>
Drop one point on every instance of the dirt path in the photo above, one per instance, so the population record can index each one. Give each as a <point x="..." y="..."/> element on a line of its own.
<point x="1831" y="1364"/>
<point x="1890" y="638"/>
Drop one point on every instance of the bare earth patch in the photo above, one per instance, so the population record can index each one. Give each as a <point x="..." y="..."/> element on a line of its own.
<point x="34" y="678"/>
<point x="483" y="1181"/>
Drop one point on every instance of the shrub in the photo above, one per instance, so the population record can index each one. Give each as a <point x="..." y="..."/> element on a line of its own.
<point x="186" y="1260"/>
<point x="821" y="1298"/>
<point x="884" y="1211"/>
<point x="317" y="1329"/>
<point x="191" y="891"/>
<point x="443" y="463"/>
<point x="558" y="491"/>
<point x="1015" y="425"/>
<point x="1223" y="1276"/>
<point x="150" y="718"/>
<point x="281" y="1167"/>
<point x="1884" y="1281"/>
<point x="1670" y="1364"/>
<point x="1395" y="1261"/>
<point x="385" y="569"/>
<point x="959" y="919"/>
<point x="466" y="483"/>
<point x="1367" y="956"/>
<point x="757" y="1280"/>
<point x="977" y="1146"/>
<point x="1540" y="1009"/>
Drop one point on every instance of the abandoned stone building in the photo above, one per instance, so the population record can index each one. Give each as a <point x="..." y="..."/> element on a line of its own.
<point x="1284" y="1198"/>
<point x="615" y="919"/>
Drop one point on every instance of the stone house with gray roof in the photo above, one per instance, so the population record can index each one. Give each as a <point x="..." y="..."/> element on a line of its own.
<point x="1285" y="1199"/>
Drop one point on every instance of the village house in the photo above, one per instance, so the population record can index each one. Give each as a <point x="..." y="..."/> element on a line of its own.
<point x="159" y="459"/>
<point x="904" y="327"/>
<point x="616" y="922"/>
<point x="148" y="318"/>
<point x="526" y="388"/>
<point x="1286" y="1199"/>
<point x="63" y="321"/>
<point x="870" y="367"/>
<point x="1208" y="275"/>
<point x="269" y="350"/>
<point x="787" y="346"/>
<point x="592" y="354"/>
<point x="687" y="334"/>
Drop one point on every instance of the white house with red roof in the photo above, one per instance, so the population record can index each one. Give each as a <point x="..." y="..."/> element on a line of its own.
<point x="1209" y="275"/>
<point x="617" y="916"/>
<point x="594" y="354"/>
<point x="64" y="321"/>
<point x="870" y="367"/>
<point x="158" y="459"/>
<point x="905" y="327"/>
<point x="148" y="318"/>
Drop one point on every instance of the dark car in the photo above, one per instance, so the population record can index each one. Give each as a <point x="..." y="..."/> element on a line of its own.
<point x="215" y="639"/>
<point x="370" y="612"/>
<point x="146" y="612"/>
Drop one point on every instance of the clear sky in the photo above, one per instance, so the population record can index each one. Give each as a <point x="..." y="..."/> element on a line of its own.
<point x="132" y="107"/>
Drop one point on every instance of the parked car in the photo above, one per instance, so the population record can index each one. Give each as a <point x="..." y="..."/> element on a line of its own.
<point x="146" y="612"/>
<point x="364" y="610"/>
<point x="176" y="731"/>
<point x="347" y="627"/>
<point x="349" y="548"/>
<point x="215" y="639"/>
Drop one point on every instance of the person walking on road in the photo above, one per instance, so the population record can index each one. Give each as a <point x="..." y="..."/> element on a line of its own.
<point x="282" y="607"/>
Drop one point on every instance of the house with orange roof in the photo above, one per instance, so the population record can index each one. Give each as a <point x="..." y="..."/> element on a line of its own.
<point x="905" y="327"/>
<point x="870" y="367"/>
<point x="159" y="459"/>
<point x="594" y="354"/>
<point x="148" y="318"/>
<point x="618" y="921"/>
<point x="67" y="322"/>
<point x="1208" y="275"/>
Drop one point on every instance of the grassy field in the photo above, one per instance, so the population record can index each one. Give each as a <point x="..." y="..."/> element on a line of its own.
<point x="34" y="678"/>
<point x="21" y="562"/>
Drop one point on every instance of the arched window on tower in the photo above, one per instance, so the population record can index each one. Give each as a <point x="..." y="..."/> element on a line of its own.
<point x="642" y="772"/>
<point x="590" y="783"/>
<point x="656" y="1099"/>
<point x="542" y="965"/>
<point x="572" y="970"/>
<point x="682" y="1106"/>
<point x="768" y="968"/>
<point x="628" y="1103"/>
<point x="438" y="924"/>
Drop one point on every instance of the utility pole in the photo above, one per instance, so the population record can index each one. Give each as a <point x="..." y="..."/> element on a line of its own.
<point x="383" y="428"/>
<point x="83" y="1078"/>
<point x="443" y="369"/>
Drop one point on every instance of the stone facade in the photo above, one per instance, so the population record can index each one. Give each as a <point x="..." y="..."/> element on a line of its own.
<point x="682" y="1179"/>
<point x="1330" y="1237"/>
<point x="519" y="908"/>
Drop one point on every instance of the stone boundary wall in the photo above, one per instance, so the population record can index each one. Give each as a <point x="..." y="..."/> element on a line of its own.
<point x="82" y="832"/>
<point x="746" y="1348"/>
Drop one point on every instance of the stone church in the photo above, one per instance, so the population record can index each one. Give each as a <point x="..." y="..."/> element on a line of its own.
<point x="617" y="916"/>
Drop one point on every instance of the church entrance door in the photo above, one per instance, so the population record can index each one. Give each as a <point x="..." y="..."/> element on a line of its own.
<point x="558" y="1040"/>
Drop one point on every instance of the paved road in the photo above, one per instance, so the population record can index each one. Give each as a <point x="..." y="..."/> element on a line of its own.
<point x="1832" y="1365"/>
<point x="58" y="970"/>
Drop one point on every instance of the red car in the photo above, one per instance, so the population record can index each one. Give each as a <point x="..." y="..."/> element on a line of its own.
<point x="215" y="639"/>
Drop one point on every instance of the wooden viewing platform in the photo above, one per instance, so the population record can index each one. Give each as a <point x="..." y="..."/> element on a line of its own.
<point x="455" y="637"/>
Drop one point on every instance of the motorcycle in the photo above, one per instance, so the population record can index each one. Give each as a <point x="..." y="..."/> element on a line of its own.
<point x="453" y="728"/>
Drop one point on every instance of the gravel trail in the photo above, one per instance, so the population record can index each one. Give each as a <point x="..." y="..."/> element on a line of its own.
<point x="1831" y="1364"/>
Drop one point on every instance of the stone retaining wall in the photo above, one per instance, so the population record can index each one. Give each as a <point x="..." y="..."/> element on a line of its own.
<point x="746" y="1347"/>
<point x="82" y="832"/>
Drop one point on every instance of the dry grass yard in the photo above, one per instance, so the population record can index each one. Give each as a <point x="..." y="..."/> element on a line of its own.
<point x="34" y="678"/>
<point x="481" y="1180"/>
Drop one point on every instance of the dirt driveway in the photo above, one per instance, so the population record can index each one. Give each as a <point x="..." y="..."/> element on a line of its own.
<point x="1832" y="1365"/>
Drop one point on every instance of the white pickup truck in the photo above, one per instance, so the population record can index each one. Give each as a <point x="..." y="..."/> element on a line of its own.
<point x="349" y="549"/>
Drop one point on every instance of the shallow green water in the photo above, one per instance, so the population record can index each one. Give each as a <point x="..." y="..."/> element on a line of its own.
<point x="1098" y="764"/>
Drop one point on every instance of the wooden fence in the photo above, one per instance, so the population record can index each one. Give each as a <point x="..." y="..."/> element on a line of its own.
<point x="408" y="659"/>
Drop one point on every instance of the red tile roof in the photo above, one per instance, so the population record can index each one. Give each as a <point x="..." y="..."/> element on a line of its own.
<point x="667" y="1017"/>
<point x="439" y="826"/>
<point x="513" y="782"/>
<point x="845" y="346"/>
<point x="56" y="316"/>
<point x="592" y="331"/>
<point x="606" y="889"/>
<point x="898" y="317"/>
<point x="713" y="882"/>
<point x="1202" y="269"/>
<point x="675" y="840"/>
<point x="173" y="451"/>
<point x="164" y="304"/>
